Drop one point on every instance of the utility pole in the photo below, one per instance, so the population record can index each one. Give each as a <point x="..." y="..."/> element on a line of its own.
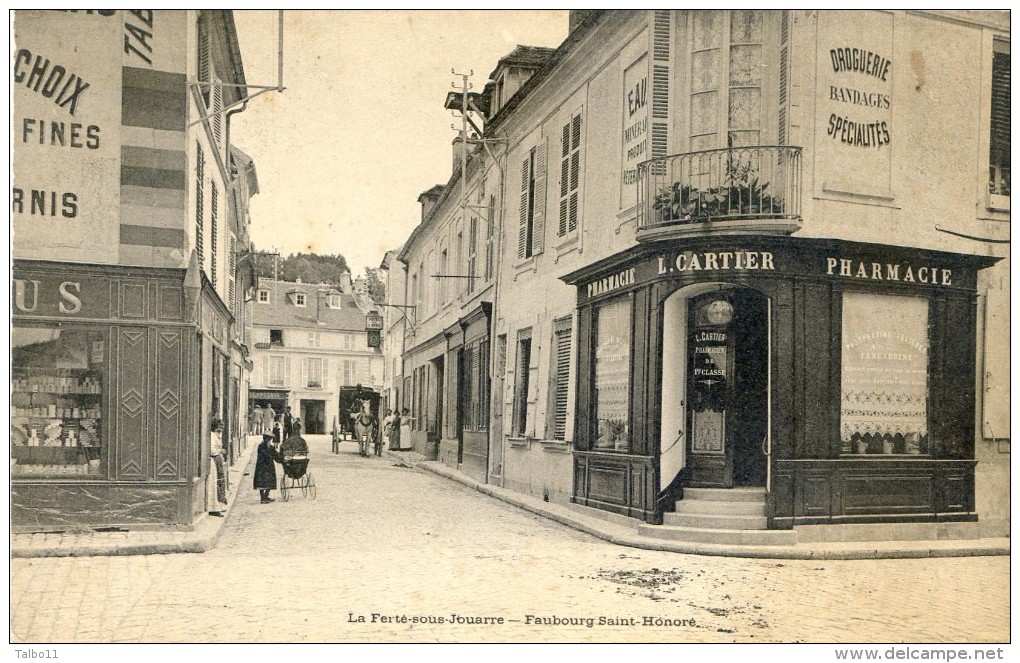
<point x="276" y="261"/>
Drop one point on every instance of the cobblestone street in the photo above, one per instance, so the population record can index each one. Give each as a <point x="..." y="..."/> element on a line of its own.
<point x="382" y="543"/>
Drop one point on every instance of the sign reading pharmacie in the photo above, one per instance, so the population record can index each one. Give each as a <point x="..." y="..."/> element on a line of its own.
<point x="826" y="261"/>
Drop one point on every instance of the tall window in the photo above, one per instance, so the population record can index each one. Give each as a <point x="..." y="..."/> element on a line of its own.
<point x="522" y="379"/>
<point x="884" y="375"/>
<point x="570" y="177"/>
<point x="276" y="371"/>
<point x="444" y="265"/>
<point x="232" y="271"/>
<point x="998" y="154"/>
<point x="531" y="227"/>
<point x="560" y="378"/>
<point x="490" y="236"/>
<point x="200" y="205"/>
<point x="726" y="78"/>
<point x="475" y="385"/>
<point x="472" y="258"/>
<point x="611" y="410"/>
<point x="314" y="376"/>
<point x="348" y="372"/>
<point x="214" y="230"/>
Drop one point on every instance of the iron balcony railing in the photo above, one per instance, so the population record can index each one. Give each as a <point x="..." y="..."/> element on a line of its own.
<point x="753" y="182"/>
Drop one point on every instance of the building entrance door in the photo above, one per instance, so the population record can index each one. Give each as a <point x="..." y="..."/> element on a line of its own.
<point x="313" y="417"/>
<point x="727" y="388"/>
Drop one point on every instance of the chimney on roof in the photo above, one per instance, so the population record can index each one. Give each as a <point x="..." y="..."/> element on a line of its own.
<point x="360" y="286"/>
<point x="345" y="283"/>
<point x="576" y="17"/>
<point x="428" y="199"/>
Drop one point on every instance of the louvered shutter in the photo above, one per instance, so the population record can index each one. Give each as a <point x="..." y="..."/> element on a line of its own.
<point x="490" y="236"/>
<point x="265" y="370"/>
<point x="522" y="228"/>
<point x="203" y="56"/>
<point x="217" y="108"/>
<point x="662" y="40"/>
<point x="214" y="230"/>
<point x="538" y="215"/>
<point x="575" y="171"/>
<point x="200" y="205"/>
<point x="325" y="372"/>
<point x="286" y="371"/>
<point x="784" y="77"/>
<point x="1000" y="129"/>
<point x="561" y="229"/>
<point x="232" y="276"/>
<point x="562" y="369"/>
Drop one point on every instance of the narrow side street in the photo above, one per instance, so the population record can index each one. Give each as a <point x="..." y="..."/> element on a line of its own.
<point x="394" y="546"/>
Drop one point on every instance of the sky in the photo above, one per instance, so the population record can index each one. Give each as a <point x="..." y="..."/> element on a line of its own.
<point x="360" y="130"/>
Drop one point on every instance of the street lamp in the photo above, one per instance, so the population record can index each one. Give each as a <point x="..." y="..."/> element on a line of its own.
<point x="373" y="328"/>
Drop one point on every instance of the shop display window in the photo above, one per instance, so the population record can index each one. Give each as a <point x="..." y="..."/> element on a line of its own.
<point x="612" y="376"/>
<point x="56" y="401"/>
<point x="884" y="408"/>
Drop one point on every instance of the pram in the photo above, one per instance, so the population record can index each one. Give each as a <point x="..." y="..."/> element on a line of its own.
<point x="295" y="476"/>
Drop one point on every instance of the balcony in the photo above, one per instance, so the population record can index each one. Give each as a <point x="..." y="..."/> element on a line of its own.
<point x="735" y="190"/>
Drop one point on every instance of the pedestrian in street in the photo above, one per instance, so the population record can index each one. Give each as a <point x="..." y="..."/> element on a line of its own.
<point x="268" y="417"/>
<point x="255" y="421"/>
<point x="395" y="432"/>
<point x="405" y="427"/>
<point x="216" y="458"/>
<point x="387" y="428"/>
<point x="265" y="468"/>
<point x="288" y="422"/>
<point x="277" y="431"/>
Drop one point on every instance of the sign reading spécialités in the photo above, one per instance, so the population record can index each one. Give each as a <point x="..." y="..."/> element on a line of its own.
<point x="66" y="87"/>
<point x="723" y="263"/>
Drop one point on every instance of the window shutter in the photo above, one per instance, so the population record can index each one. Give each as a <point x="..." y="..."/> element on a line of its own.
<point x="203" y="56"/>
<point x="214" y="229"/>
<point x="784" y="77"/>
<point x="662" y="40"/>
<point x="286" y="371"/>
<point x="564" y="179"/>
<point x="562" y="369"/>
<point x="265" y="370"/>
<point x="522" y="228"/>
<point x="538" y="230"/>
<point x="1000" y="135"/>
<point x="200" y="205"/>
<point x="325" y="372"/>
<point x="217" y="107"/>
<point x="232" y="276"/>
<point x="490" y="232"/>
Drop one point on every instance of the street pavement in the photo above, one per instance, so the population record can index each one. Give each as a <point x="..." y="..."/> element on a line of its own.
<point x="388" y="553"/>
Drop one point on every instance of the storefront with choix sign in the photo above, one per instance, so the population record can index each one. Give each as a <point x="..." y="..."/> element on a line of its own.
<point x="837" y="377"/>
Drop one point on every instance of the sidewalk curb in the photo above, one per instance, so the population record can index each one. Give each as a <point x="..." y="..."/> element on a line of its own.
<point x="154" y="542"/>
<point x="624" y="536"/>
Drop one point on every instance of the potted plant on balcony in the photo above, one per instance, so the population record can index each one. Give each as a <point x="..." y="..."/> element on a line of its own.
<point x="741" y="195"/>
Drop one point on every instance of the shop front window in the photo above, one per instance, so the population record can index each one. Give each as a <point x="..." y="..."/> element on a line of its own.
<point x="56" y="401"/>
<point x="884" y="375"/>
<point x="612" y="376"/>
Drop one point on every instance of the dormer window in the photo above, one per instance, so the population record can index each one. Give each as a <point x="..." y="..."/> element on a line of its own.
<point x="263" y="296"/>
<point x="299" y="299"/>
<point x="333" y="300"/>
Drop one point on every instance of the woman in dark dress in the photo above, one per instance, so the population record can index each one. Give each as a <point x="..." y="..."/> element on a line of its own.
<point x="265" y="468"/>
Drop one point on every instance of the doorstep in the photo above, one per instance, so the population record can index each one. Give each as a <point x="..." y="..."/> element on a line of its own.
<point x="636" y="534"/>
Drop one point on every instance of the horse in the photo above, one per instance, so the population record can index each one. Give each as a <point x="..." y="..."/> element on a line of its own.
<point x="366" y="427"/>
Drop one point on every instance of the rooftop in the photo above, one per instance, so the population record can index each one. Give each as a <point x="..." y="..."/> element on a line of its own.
<point x="281" y="312"/>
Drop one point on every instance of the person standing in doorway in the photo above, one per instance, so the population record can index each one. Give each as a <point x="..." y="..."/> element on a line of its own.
<point x="405" y="428"/>
<point x="288" y="422"/>
<point x="268" y="416"/>
<point x="387" y="428"/>
<point x="264" y="480"/>
<point x="255" y="420"/>
<point x="216" y="456"/>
